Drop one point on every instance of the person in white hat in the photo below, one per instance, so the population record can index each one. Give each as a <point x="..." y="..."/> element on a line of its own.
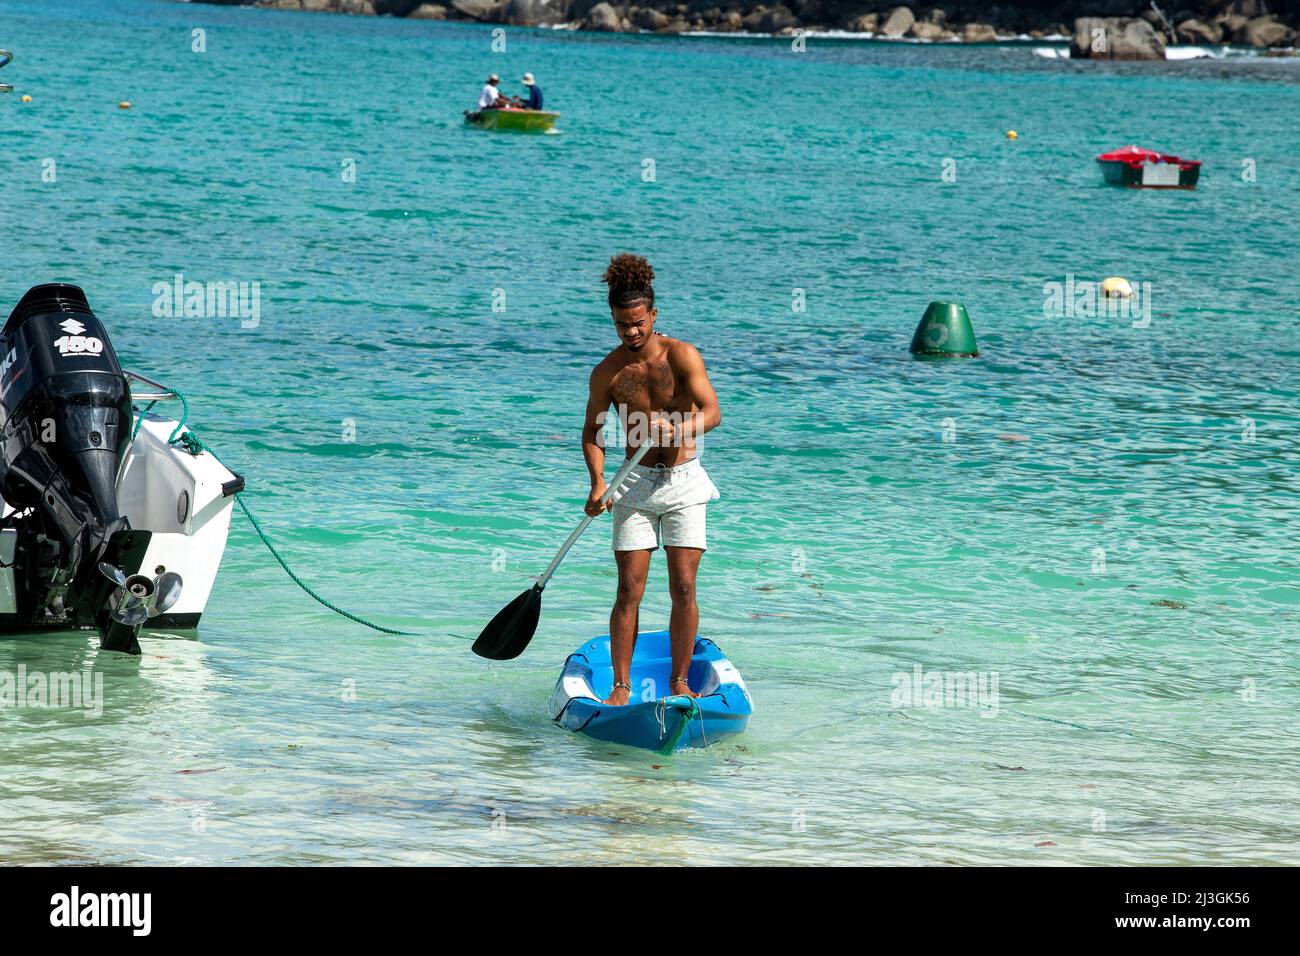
<point x="534" y="101"/>
<point x="490" y="95"/>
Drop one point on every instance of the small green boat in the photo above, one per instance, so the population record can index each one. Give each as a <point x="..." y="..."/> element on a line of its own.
<point x="514" y="121"/>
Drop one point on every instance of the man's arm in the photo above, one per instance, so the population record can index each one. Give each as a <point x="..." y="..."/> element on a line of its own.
<point x="593" y="447"/>
<point x="708" y="416"/>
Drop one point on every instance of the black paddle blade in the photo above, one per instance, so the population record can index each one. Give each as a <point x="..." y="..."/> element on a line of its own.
<point x="509" y="632"/>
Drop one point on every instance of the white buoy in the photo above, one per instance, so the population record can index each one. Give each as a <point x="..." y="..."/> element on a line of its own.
<point x="1116" y="287"/>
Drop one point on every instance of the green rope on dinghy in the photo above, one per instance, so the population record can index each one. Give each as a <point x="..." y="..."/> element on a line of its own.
<point x="140" y="419"/>
<point x="185" y="416"/>
<point x="303" y="584"/>
<point x="193" y="444"/>
<point x="687" y="717"/>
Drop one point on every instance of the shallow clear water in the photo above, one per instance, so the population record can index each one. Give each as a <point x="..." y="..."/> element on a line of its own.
<point x="878" y="512"/>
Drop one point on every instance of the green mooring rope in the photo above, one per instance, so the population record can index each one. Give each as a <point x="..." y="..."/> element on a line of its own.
<point x="195" y="445"/>
<point x="1094" y="730"/>
<point x="185" y="417"/>
<point x="140" y="419"/>
<point x="682" y="724"/>
<point x="303" y="584"/>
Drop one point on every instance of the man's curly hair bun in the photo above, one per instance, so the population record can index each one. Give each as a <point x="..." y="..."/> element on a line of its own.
<point x="630" y="279"/>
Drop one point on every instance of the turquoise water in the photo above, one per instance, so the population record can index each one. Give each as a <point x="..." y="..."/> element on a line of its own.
<point x="878" y="513"/>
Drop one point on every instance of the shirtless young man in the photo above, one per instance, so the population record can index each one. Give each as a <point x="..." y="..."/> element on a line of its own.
<point x="658" y="386"/>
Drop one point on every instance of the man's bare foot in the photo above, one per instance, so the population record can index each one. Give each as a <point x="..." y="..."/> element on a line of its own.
<point x="618" y="696"/>
<point x="679" y="688"/>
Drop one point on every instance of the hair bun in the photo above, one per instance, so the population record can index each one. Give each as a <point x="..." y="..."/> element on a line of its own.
<point x="628" y="273"/>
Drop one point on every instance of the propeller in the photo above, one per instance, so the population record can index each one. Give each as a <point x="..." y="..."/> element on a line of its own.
<point x="138" y="598"/>
<point x="129" y="607"/>
<point x="131" y="614"/>
<point x="167" y="591"/>
<point x="114" y="574"/>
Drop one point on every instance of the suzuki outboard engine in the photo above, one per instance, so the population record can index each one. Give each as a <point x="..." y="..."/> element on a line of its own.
<point x="65" y="424"/>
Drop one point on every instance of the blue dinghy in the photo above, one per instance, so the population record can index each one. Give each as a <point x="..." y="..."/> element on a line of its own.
<point x="651" y="721"/>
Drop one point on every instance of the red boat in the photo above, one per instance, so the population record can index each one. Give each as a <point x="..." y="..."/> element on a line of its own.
<point x="1146" y="169"/>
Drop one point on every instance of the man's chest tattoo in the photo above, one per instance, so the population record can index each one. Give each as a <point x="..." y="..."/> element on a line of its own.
<point x="664" y="380"/>
<point x="626" y="388"/>
<point x="631" y="385"/>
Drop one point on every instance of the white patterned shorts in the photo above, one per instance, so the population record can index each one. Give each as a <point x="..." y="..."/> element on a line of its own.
<point x="658" y="505"/>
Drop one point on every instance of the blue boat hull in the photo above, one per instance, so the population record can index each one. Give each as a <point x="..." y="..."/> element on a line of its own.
<point x="651" y="721"/>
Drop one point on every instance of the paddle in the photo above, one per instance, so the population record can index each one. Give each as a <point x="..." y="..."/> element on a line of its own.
<point x="509" y="632"/>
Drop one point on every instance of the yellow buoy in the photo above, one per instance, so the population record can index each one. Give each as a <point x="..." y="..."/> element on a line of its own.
<point x="26" y="98"/>
<point x="124" y="105"/>
<point x="1116" y="287"/>
<point x="1012" y="134"/>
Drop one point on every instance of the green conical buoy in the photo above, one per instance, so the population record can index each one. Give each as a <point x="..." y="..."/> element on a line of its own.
<point x="945" y="329"/>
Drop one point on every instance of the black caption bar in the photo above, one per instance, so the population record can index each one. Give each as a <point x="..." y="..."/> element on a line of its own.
<point x="213" y="905"/>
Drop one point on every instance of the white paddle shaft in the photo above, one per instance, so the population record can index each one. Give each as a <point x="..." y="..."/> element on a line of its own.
<point x="582" y="526"/>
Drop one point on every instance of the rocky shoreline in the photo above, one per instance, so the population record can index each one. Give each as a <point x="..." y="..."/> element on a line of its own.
<point x="1107" y="29"/>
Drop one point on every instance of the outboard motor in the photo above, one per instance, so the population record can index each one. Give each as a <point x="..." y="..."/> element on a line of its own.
<point x="65" y="424"/>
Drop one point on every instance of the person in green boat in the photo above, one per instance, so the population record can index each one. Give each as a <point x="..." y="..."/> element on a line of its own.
<point x="534" y="101"/>
<point x="491" y="96"/>
<point x="662" y="393"/>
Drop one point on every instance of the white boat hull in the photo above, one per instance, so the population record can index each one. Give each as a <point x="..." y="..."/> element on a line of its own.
<point x="183" y="500"/>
